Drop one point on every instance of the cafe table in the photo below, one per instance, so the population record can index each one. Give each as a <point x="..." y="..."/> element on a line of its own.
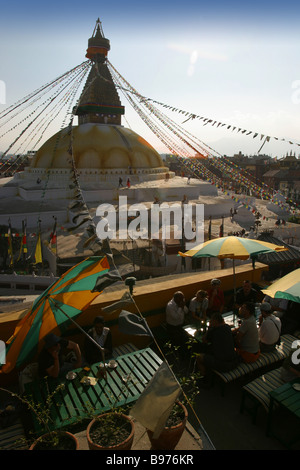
<point x="74" y="400"/>
<point x="196" y="329"/>
<point x="286" y="397"/>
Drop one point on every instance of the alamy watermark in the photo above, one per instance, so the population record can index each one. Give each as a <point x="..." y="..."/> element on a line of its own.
<point x="296" y="93"/>
<point x="2" y="92"/>
<point x="160" y="221"/>
<point x="296" y="354"/>
<point x="2" y="353"/>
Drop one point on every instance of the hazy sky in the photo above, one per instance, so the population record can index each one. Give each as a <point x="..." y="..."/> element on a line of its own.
<point x="233" y="62"/>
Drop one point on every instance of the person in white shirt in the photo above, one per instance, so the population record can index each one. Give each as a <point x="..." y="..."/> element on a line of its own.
<point x="278" y="306"/>
<point x="102" y="335"/>
<point x="199" y="305"/>
<point x="246" y="335"/>
<point x="175" y="316"/>
<point x="269" y="328"/>
<point x="176" y="310"/>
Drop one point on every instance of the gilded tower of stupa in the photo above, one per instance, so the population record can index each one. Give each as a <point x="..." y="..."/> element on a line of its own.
<point x="100" y="143"/>
<point x="99" y="102"/>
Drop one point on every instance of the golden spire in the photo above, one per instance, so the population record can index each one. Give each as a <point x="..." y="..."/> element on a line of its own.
<point x="99" y="101"/>
<point x="98" y="45"/>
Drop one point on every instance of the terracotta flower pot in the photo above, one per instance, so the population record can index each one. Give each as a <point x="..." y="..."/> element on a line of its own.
<point x="42" y="444"/>
<point x="170" y="436"/>
<point x="127" y="441"/>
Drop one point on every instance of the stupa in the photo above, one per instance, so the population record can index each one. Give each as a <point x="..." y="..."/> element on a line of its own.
<point x="103" y="151"/>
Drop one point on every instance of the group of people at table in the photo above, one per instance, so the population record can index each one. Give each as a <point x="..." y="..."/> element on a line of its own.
<point x="223" y="346"/>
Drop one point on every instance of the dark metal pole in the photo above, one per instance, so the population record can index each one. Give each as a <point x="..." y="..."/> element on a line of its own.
<point x="78" y="326"/>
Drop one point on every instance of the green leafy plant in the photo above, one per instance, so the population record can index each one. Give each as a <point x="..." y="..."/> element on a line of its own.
<point x="111" y="428"/>
<point x="188" y="379"/>
<point x="42" y="413"/>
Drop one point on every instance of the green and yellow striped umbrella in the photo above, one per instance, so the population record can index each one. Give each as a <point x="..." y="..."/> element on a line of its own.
<point x="288" y="287"/>
<point x="63" y="301"/>
<point x="232" y="247"/>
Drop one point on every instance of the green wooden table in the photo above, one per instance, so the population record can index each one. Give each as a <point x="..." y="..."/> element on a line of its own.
<point x="76" y="401"/>
<point x="288" y="399"/>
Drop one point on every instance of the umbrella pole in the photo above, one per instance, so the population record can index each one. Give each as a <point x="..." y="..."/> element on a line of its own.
<point x="82" y="330"/>
<point x="234" y="290"/>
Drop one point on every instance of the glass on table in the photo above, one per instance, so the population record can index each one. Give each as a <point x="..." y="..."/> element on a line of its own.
<point x="101" y="373"/>
<point x="202" y="325"/>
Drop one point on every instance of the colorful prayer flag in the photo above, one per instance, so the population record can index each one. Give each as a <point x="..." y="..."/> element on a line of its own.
<point x="38" y="251"/>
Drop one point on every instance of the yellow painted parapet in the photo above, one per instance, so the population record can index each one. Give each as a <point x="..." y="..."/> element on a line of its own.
<point x="151" y="297"/>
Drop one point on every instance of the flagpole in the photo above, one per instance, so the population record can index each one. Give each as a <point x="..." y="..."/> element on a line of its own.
<point x="24" y="224"/>
<point x="10" y="248"/>
<point x="38" y="249"/>
<point x="23" y="230"/>
<point x="234" y="290"/>
<point x="21" y="246"/>
<point x="40" y="235"/>
<point x="209" y="237"/>
<point x="54" y="234"/>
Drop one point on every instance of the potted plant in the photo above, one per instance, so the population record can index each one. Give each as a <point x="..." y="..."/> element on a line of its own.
<point x="56" y="440"/>
<point x="110" y="431"/>
<point x="113" y="430"/>
<point x="51" y="439"/>
<point x="173" y="430"/>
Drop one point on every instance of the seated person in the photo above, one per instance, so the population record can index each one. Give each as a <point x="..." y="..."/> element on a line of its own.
<point x="220" y="354"/>
<point x="246" y="336"/>
<point x="246" y="294"/>
<point x="290" y="322"/>
<point x="102" y="335"/>
<point x="198" y="305"/>
<point x="279" y="306"/>
<point x="51" y="361"/>
<point x="215" y="298"/>
<point x="269" y="328"/>
<point x="290" y="369"/>
<point x="175" y="317"/>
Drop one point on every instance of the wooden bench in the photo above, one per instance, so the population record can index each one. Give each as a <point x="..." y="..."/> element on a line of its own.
<point x="123" y="349"/>
<point x="256" y="393"/>
<point x="13" y="437"/>
<point x="265" y="360"/>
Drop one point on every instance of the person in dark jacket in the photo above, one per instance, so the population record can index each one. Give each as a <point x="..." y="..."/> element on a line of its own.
<point x="246" y="294"/>
<point x="220" y="353"/>
<point x="102" y="335"/>
<point x="51" y="360"/>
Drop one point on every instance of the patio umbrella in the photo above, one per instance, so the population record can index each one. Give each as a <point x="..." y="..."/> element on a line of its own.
<point x="288" y="287"/>
<point x="233" y="248"/>
<point x="63" y="301"/>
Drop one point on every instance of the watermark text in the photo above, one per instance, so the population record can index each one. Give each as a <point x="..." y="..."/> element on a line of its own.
<point x="2" y="353"/>
<point x="2" y="92"/>
<point x="296" y="354"/>
<point x="296" y="93"/>
<point x="160" y="221"/>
